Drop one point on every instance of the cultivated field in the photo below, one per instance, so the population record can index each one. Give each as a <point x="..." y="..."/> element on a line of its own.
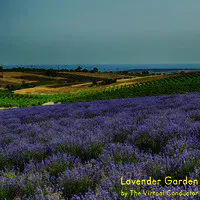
<point x="65" y="82"/>
<point x="101" y="142"/>
<point x="56" y="91"/>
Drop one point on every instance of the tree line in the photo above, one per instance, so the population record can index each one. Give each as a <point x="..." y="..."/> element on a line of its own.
<point x="48" y="72"/>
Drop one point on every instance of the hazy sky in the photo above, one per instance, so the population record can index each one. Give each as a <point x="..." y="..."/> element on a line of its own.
<point x="99" y="31"/>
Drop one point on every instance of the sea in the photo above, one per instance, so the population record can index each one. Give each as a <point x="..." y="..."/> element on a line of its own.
<point x="151" y="68"/>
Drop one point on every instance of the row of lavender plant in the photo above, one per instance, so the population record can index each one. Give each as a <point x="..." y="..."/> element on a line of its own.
<point x="80" y="150"/>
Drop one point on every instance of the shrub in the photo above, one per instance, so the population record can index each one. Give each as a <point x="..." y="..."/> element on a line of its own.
<point x="94" y="82"/>
<point x="107" y="81"/>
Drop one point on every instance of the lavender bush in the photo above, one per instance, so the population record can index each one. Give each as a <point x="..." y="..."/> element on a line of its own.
<point x="81" y="150"/>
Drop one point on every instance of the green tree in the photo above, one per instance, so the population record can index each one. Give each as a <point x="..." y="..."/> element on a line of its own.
<point x="78" y="69"/>
<point x="95" y="69"/>
<point x="1" y="72"/>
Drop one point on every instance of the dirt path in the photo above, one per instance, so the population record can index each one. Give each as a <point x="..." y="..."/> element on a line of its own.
<point x="3" y="108"/>
<point x="45" y="104"/>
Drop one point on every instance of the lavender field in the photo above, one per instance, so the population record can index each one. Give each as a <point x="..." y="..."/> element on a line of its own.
<point x="82" y="151"/>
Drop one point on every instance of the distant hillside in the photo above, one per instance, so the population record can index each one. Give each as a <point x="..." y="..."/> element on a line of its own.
<point x="165" y="70"/>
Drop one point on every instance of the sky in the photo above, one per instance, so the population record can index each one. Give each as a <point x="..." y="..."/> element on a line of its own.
<point x="99" y="31"/>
